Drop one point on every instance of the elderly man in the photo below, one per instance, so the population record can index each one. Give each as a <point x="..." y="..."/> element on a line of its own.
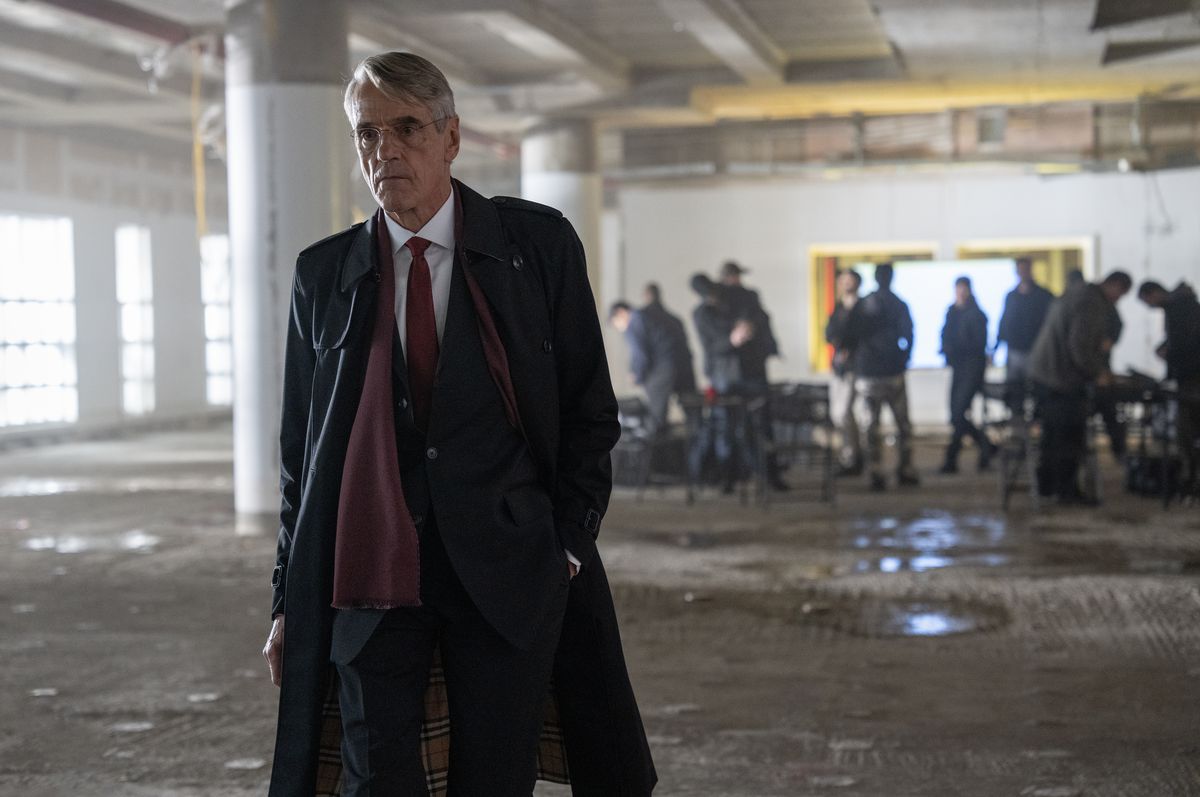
<point x="447" y="422"/>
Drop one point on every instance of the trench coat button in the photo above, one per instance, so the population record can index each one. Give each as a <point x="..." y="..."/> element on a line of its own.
<point x="547" y="346"/>
<point x="431" y="453"/>
<point x="518" y="262"/>
<point x="402" y="403"/>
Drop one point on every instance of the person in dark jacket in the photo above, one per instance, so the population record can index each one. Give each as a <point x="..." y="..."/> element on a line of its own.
<point x="721" y="333"/>
<point x="1070" y="354"/>
<point x="1025" y="309"/>
<point x="1181" y="351"/>
<point x="880" y="334"/>
<point x="660" y="359"/>
<point x="964" y="345"/>
<point x="445" y="445"/>
<point x="841" y="386"/>
<point x="753" y="351"/>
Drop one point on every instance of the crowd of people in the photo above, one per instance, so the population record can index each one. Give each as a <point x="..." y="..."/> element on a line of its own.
<point x="1057" y="351"/>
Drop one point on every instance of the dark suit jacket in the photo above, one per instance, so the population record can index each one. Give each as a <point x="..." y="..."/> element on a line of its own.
<point x="530" y="266"/>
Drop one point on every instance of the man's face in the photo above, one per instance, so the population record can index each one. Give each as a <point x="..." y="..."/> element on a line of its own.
<point x="407" y="181"/>
<point x="620" y="320"/>
<point x="962" y="294"/>
<point x="1024" y="270"/>
<point x="847" y="284"/>
<point x="1114" y="291"/>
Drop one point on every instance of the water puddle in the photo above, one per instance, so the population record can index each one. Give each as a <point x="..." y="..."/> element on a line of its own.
<point x="23" y="487"/>
<point x="135" y="540"/>
<point x="925" y="617"/>
<point x="931" y="542"/>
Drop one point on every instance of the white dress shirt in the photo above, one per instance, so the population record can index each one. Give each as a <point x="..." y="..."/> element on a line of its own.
<point x="439" y="231"/>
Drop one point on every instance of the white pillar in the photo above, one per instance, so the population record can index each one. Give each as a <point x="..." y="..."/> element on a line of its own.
<point x="288" y="148"/>
<point x="559" y="168"/>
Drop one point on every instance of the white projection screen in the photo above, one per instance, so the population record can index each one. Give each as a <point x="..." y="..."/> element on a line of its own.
<point x="928" y="288"/>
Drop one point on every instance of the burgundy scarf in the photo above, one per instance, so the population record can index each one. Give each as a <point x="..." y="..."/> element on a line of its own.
<point x="377" y="561"/>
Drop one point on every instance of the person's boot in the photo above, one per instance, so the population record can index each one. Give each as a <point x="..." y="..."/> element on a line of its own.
<point x="950" y="464"/>
<point x="907" y="477"/>
<point x="877" y="483"/>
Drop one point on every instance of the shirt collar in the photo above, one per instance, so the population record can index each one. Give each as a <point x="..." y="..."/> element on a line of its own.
<point x="438" y="230"/>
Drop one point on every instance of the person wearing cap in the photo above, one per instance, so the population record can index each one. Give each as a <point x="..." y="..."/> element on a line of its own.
<point x="756" y="347"/>
<point x="721" y="333"/>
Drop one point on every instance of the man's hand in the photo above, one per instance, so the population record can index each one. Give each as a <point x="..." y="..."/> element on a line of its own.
<point x="572" y="569"/>
<point x="742" y="332"/>
<point x="273" y="650"/>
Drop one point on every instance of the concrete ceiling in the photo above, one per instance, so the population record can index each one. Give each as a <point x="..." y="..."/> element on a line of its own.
<point x="128" y="65"/>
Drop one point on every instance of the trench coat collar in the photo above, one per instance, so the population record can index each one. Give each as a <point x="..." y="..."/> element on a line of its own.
<point x="481" y="234"/>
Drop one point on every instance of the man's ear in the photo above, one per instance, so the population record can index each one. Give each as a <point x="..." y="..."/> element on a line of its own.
<point x="453" y="142"/>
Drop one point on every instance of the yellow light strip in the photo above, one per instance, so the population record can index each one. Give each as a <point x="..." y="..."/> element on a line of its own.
<point x="901" y="97"/>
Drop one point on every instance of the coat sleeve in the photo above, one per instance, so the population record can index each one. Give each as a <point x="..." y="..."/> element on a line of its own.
<point x="293" y="432"/>
<point x="1085" y="336"/>
<point x="588" y="426"/>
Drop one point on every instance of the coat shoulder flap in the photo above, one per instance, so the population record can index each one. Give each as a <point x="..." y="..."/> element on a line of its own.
<point x="515" y="203"/>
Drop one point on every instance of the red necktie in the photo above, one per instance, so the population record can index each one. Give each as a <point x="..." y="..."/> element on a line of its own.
<point x="420" y="327"/>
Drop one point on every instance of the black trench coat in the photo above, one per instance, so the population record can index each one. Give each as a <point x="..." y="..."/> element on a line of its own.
<point x="530" y="266"/>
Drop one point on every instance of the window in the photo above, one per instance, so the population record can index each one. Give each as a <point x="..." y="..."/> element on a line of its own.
<point x="135" y="293"/>
<point x="214" y="292"/>
<point x="1053" y="259"/>
<point x="37" y="321"/>
<point x="825" y="262"/>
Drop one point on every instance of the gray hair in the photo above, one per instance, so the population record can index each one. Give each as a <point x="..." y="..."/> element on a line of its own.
<point x="405" y="77"/>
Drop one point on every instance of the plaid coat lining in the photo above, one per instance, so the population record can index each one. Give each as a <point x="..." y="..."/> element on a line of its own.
<point x="435" y="739"/>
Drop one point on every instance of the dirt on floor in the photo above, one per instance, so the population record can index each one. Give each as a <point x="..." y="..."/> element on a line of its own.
<point x="915" y="642"/>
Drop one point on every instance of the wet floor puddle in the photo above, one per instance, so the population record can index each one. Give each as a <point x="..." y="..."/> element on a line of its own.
<point x="135" y="540"/>
<point x="878" y="617"/>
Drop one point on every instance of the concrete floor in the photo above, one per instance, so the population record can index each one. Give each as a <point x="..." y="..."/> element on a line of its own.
<point x="914" y="643"/>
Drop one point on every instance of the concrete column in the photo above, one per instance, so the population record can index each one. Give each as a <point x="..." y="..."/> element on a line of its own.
<point x="559" y="167"/>
<point x="288" y="150"/>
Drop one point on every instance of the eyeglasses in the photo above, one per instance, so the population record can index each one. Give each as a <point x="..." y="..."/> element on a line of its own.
<point x="411" y="135"/>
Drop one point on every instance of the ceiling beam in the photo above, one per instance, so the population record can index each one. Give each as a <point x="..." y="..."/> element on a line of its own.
<point x="527" y="24"/>
<point x="1112" y="13"/>
<point x="380" y="24"/>
<point x="1120" y="52"/>
<point x="94" y="66"/>
<point x="729" y="33"/>
<point x="121" y="15"/>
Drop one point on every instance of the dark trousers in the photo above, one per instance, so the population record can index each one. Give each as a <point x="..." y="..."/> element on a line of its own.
<point x="965" y="382"/>
<point x="496" y="692"/>
<point x="1064" y="440"/>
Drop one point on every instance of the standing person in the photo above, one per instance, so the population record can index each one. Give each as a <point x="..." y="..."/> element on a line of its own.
<point x="755" y="348"/>
<point x="964" y="344"/>
<point x="678" y="350"/>
<point x="446" y="427"/>
<point x="660" y="360"/>
<point x="1181" y="352"/>
<point x="841" y="386"/>
<point x="721" y="333"/>
<point x="1070" y="354"/>
<point x="1025" y="309"/>
<point x="880" y="334"/>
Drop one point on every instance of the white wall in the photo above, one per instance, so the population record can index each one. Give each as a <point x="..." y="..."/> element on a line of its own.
<point x="669" y="232"/>
<point x="101" y="188"/>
